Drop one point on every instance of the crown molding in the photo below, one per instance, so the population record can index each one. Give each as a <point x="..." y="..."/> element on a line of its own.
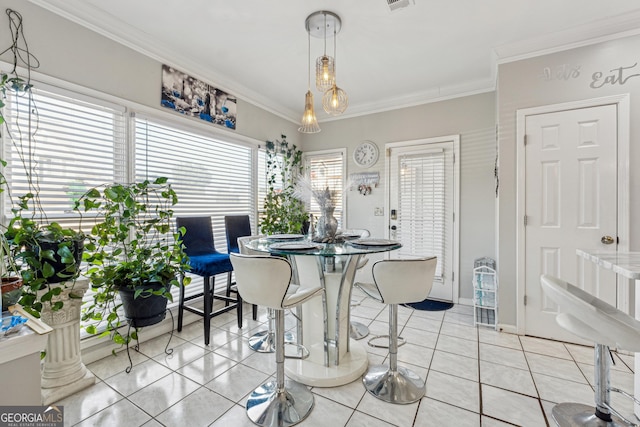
<point x="83" y="14"/>
<point x="611" y="28"/>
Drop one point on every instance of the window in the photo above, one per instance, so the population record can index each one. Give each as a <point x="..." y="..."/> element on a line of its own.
<point x="211" y="177"/>
<point x="78" y="145"/>
<point x="422" y="205"/>
<point x="327" y="169"/>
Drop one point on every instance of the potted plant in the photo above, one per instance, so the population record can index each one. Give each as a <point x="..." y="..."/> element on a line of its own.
<point x="283" y="212"/>
<point x="133" y="257"/>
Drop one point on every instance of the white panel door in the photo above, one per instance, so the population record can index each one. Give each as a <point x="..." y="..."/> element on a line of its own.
<point x="421" y="208"/>
<point x="571" y="203"/>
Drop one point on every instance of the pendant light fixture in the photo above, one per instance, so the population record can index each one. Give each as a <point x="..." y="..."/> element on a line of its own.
<point x="309" y="122"/>
<point x="325" y="65"/>
<point x="335" y="100"/>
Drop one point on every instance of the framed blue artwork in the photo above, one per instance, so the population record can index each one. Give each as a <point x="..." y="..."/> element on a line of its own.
<point x="192" y="97"/>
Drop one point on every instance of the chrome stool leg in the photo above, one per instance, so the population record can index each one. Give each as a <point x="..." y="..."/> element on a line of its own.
<point x="264" y="341"/>
<point x="571" y="414"/>
<point x="391" y="383"/>
<point x="279" y="403"/>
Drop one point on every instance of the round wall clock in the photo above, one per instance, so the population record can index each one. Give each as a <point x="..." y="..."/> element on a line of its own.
<point x="366" y="154"/>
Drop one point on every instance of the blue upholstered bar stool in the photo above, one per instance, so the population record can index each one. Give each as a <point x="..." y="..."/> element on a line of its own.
<point x="398" y="281"/>
<point x="207" y="262"/>
<point x="236" y="226"/>
<point x="594" y="320"/>
<point x="266" y="280"/>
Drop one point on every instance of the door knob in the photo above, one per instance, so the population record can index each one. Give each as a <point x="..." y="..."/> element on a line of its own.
<point x="607" y="240"/>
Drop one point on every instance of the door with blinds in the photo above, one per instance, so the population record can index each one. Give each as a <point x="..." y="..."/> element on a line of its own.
<point x="422" y="203"/>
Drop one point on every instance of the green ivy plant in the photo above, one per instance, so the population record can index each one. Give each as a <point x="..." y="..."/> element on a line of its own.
<point x="283" y="213"/>
<point x="132" y="245"/>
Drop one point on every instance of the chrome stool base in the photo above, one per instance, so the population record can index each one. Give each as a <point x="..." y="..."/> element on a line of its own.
<point x="402" y="386"/>
<point x="577" y="414"/>
<point x="264" y="341"/>
<point x="269" y="408"/>
<point x="358" y="330"/>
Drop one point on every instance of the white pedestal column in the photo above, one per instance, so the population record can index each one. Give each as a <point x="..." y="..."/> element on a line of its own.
<point x="63" y="372"/>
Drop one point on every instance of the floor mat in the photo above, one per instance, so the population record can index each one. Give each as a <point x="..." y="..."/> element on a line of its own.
<point x="430" y="305"/>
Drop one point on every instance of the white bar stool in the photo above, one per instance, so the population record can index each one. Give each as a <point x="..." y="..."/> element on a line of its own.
<point x="398" y="281"/>
<point x="265" y="280"/>
<point x="592" y="319"/>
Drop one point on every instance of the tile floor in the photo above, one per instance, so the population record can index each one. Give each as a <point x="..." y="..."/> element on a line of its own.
<point x="474" y="377"/>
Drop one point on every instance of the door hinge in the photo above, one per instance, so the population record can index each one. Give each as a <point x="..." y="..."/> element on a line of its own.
<point x="525" y="140"/>
<point x="453" y="276"/>
<point x="388" y="150"/>
<point x="525" y="220"/>
<point x="525" y="300"/>
<point x="454" y="158"/>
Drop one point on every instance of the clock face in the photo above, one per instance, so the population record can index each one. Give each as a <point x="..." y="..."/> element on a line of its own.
<point x="366" y="154"/>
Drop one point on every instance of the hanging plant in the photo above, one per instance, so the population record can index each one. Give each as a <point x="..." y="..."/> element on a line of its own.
<point x="283" y="212"/>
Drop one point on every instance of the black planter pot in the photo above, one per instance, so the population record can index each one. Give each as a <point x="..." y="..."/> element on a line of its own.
<point x="63" y="271"/>
<point x="143" y="311"/>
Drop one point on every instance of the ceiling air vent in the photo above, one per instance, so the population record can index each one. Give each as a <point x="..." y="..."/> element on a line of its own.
<point x="399" y="4"/>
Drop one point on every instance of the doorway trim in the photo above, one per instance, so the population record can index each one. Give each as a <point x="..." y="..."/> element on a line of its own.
<point x="623" y="127"/>
<point x="455" y="139"/>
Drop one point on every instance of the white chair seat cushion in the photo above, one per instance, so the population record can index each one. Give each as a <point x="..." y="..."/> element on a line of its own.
<point x="590" y="317"/>
<point x="300" y="295"/>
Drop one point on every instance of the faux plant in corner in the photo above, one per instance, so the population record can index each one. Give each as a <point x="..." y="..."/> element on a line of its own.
<point x="283" y="212"/>
<point x="133" y="257"/>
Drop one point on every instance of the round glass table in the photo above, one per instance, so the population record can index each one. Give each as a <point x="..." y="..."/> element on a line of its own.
<point x="333" y="266"/>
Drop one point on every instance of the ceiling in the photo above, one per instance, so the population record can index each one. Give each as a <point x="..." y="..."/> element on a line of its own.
<point x="430" y="50"/>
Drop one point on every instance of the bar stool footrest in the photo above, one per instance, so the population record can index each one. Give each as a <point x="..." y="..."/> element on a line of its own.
<point x="265" y="341"/>
<point x="401" y="341"/>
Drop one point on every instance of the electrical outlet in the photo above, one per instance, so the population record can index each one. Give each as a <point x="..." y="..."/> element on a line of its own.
<point x="378" y="212"/>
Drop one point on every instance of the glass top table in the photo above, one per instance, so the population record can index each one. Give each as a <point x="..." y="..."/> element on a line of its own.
<point x="333" y="266"/>
<point x="304" y="246"/>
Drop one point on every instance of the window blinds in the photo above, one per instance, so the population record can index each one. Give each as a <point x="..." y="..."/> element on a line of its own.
<point x="75" y="145"/>
<point x="421" y="219"/>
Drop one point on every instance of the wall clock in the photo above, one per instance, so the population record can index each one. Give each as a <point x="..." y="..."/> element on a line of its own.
<point x="366" y="154"/>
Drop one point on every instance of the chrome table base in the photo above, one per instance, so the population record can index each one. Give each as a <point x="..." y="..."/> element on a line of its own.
<point x="358" y="330"/>
<point x="577" y="414"/>
<point x="402" y="386"/>
<point x="264" y="341"/>
<point x="269" y="407"/>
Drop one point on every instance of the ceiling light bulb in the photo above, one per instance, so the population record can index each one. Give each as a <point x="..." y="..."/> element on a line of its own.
<point x="335" y="101"/>
<point x="325" y="73"/>
<point x="309" y="122"/>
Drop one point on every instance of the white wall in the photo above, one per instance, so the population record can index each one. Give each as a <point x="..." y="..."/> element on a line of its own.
<point x="525" y="84"/>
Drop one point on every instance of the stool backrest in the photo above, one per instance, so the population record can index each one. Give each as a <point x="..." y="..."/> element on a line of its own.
<point x="402" y="281"/>
<point x="236" y="226"/>
<point x="245" y="240"/>
<point x="590" y="317"/>
<point x="262" y="279"/>
<point x="198" y="239"/>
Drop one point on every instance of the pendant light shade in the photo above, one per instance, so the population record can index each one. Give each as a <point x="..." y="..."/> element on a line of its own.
<point x="325" y="73"/>
<point x="309" y="122"/>
<point x="335" y="101"/>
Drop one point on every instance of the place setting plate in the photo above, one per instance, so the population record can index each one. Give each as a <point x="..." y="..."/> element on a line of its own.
<point x="284" y="237"/>
<point x="294" y="246"/>
<point x="366" y="242"/>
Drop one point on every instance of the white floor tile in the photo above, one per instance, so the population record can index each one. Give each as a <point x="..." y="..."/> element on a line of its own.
<point x="474" y="377"/>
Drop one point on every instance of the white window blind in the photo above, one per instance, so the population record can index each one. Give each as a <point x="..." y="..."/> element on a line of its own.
<point x="76" y="145"/>
<point x="211" y="177"/>
<point x="327" y="170"/>
<point x="421" y="219"/>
